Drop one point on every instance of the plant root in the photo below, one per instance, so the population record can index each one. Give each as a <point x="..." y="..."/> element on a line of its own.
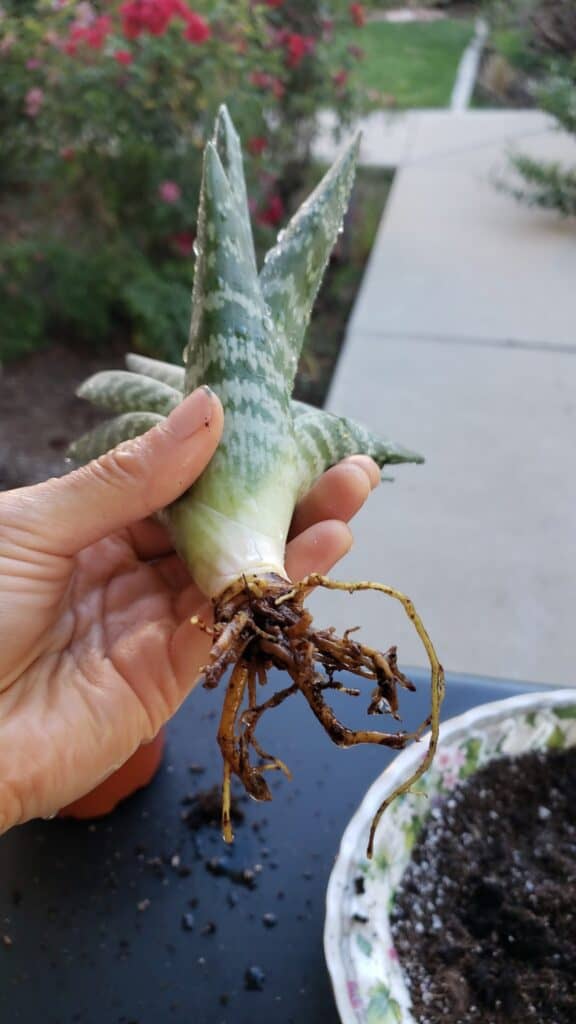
<point x="260" y="623"/>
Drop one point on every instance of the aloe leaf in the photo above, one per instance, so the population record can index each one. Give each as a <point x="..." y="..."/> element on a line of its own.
<point x="324" y="439"/>
<point x="229" y="150"/>
<point x="294" y="268"/>
<point x="107" y="435"/>
<point x="120" y="391"/>
<point x="167" y="373"/>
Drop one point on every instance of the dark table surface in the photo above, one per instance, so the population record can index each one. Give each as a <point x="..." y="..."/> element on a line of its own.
<point x="94" y="912"/>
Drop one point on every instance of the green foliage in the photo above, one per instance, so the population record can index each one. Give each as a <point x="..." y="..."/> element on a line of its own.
<point x="531" y="32"/>
<point x="544" y="183"/>
<point x="101" y="134"/>
<point x="547" y="185"/>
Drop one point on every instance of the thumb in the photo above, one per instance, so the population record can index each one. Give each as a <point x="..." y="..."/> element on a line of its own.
<point x="126" y="484"/>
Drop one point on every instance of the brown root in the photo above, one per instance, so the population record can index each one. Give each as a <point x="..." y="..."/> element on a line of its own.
<point x="261" y="623"/>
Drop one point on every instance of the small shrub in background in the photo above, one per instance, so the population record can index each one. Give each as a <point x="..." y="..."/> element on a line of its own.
<point x="544" y="183"/>
<point x="104" y="110"/>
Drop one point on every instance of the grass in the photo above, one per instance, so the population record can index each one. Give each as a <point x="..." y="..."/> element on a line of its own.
<point x="414" y="64"/>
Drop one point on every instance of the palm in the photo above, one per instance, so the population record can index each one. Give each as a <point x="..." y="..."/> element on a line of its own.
<point x="118" y="657"/>
<point x="101" y="650"/>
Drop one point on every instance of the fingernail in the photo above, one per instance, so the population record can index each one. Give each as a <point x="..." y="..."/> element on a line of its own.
<point x="193" y="414"/>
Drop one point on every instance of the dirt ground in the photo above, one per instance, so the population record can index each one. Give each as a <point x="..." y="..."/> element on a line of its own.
<point x="39" y="413"/>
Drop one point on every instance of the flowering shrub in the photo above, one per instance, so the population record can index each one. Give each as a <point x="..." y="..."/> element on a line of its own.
<point x="104" y="110"/>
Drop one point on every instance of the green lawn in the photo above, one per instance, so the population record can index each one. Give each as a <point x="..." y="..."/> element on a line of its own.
<point x="416" y="62"/>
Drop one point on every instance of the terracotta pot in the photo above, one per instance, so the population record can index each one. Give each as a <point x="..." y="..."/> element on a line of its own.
<point x="137" y="772"/>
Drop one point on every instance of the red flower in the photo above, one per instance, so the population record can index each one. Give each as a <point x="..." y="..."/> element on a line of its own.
<point x="256" y="145"/>
<point x="154" y="17"/>
<point x="139" y="16"/>
<point x="97" y="32"/>
<point x="197" y="29"/>
<point x="67" y="152"/>
<point x="123" y="57"/>
<point x="357" y="14"/>
<point x="298" y="47"/>
<point x="183" y="242"/>
<point x="262" y="80"/>
<point x="340" y="78"/>
<point x="273" y="212"/>
<point x="273" y="3"/>
<point x="93" y="35"/>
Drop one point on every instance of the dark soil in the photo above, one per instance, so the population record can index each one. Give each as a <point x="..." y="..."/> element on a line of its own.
<point x="485" y="920"/>
<point x="40" y="414"/>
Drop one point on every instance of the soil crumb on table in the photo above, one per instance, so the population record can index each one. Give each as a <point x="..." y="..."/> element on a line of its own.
<point x="485" y="919"/>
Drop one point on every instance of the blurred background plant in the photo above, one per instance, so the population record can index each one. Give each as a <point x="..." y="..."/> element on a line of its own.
<point x="104" y="109"/>
<point x="533" y="62"/>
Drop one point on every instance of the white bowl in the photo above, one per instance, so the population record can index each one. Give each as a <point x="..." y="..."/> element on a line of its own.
<point x="367" y="978"/>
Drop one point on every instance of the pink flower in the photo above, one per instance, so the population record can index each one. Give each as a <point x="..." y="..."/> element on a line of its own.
<point x="183" y="242"/>
<point x="357" y="14"/>
<point x="328" y="27"/>
<point x="34" y="101"/>
<point x="256" y="145"/>
<point x="169" y="192"/>
<point x="123" y="57"/>
<point x="273" y="212"/>
<point x="273" y="3"/>
<point x="197" y="29"/>
<point x="84" y="14"/>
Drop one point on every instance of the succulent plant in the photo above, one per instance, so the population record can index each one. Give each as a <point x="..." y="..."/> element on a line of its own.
<point x="230" y="527"/>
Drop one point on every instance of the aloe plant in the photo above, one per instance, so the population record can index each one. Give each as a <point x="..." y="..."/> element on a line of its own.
<point x="230" y="527"/>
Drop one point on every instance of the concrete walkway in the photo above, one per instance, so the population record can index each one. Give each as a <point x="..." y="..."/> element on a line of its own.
<point x="463" y="345"/>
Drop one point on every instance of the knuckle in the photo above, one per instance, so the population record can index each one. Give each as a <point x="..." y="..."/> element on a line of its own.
<point x="124" y="467"/>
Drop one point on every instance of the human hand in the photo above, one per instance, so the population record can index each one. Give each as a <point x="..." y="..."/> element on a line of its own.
<point x="97" y="646"/>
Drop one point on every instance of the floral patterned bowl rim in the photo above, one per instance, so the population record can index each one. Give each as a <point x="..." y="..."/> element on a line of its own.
<point x="367" y="979"/>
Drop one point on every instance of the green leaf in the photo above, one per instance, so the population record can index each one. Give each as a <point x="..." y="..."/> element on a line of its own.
<point x="569" y="712"/>
<point x="364" y="945"/>
<point x="473" y="748"/>
<point x="107" y="435"/>
<point x="167" y="373"/>
<point x="383" y="1008"/>
<point x="556" y="740"/>
<point x="120" y="391"/>
<point x="411" y="830"/>
<point x="294" y="268"/>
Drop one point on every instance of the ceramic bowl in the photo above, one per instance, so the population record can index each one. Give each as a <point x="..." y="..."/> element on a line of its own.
<point x="367" y="978"/>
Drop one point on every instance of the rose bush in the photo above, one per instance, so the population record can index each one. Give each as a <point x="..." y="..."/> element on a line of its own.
<point x="104" y="110"/>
